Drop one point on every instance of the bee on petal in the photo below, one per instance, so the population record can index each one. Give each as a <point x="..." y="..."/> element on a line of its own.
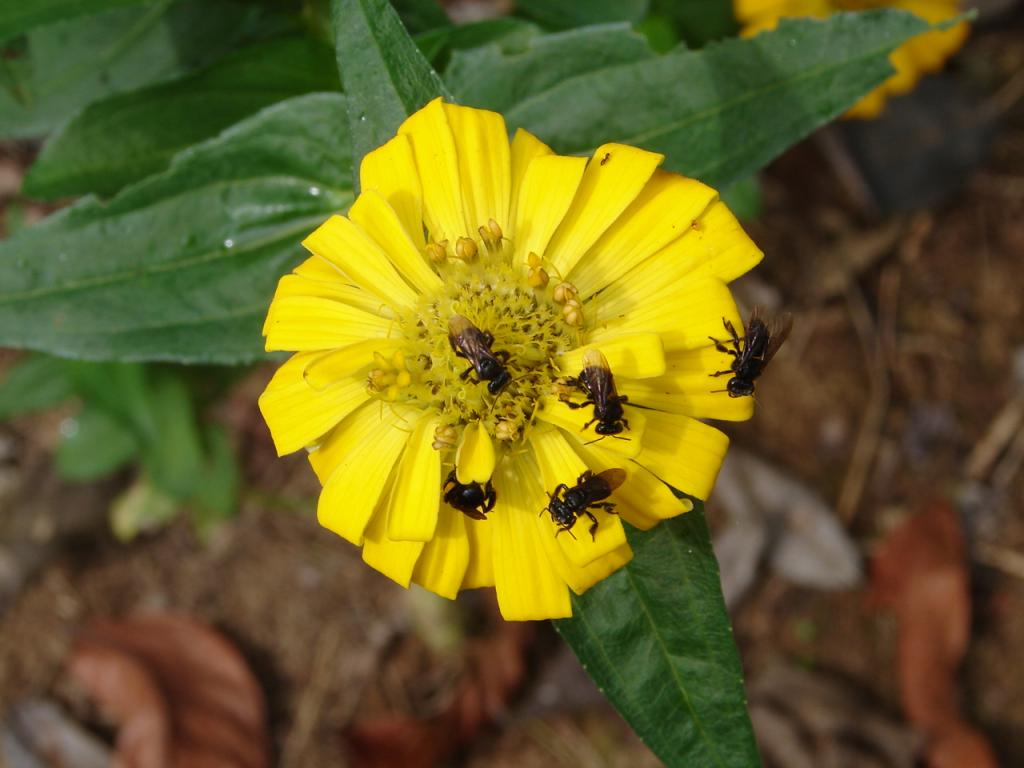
<point x="751" y="353"/>
<point x="590" y="491"/>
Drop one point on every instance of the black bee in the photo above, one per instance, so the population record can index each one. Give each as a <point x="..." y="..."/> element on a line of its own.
<point x="470" y="342"/>
<point x="566" y="504"/>
<point x="472" y="499"/>
<point x="598" y="385"/>
<point x="753" y="352"/>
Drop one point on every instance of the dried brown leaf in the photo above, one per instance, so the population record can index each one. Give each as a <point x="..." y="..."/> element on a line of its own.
<point x="920" y="574"/>
<point x="494" y="670"/>
<point x="181" y="693"/>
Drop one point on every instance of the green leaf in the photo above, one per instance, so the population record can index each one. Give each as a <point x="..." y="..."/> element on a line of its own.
<point x="509" y="31"/>
<point x="120" y="390"/>
<point x="386" y="77"/>
<point x="563" y="14"/>
<point x="34" y="383"/>
<point x="182" y="266"/>
<point x="744" y="198"/>
<point x="698" y="21"/>
<point x="18" y="16"/>
<point x="217" y="495"/>
<point x="421" y="15"/>
<point x="127" y="137"/>
<point x="93" y="444"/>
<point x="173" y="457"/>
<point x="721" y="113"/>
<point x="141" y="508"/>
<point x="69" y="64"/>
<point x="503" y="78"/>
<point x="655" y="636"/>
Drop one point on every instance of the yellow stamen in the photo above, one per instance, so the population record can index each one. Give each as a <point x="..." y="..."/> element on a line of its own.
<point x="572" y="313"/>
<point x="537" y="278"/>
<point x="438" y="252"/>
<point x="564" y="292"/>
<point x="491" y="234"/>
<point x="445" y="436"/>
<point x="465" y="249"/>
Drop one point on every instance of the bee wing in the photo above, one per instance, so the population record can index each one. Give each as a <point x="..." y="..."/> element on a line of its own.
<point x="597" y="375"/>
<point x="779" y="327"/>
<point x="614" y="477"/>
<point x="458" y="325"/>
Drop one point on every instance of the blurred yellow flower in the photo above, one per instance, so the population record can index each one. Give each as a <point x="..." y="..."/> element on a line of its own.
<point x="440" y="326"/>
<point x="924" y="54"/>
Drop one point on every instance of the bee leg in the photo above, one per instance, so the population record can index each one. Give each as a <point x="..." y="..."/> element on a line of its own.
<point x="722" y="348"/>
<point x="465" y="374"/>
<point x="577" y="406"/>
<point x="721" y="373"/>
<point x="567" y="530"/>
<point x="588" y="424"/>
<point x="593" y="524"/>
<point x="623" y="398"/>
<point x="732" y="331"/>
<point x="491" y="499"/>
<point x="607" y="506"/>
<point x="503" y="355"/>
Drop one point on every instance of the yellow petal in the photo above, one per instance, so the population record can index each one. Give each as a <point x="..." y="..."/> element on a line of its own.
<point x="547" y="190"/>
<point x="335" y="287"/>
<point x="527" y="585"/>
<point x="634" y="356"/>
<point x="298" y="413"/>
<point x="481" y="141"/>
<point x="380" y="221"/>
<point x="580" y="578"/>
<point x="605" y="191"/>
<point x="474" y="459"/>
<point x="688" y="387"/>
<point x="441" y="567"/>
<point x="716" y="245"/>
<point x="683" y="452"/>
<point x="664" y="211"/>
<point x="299" y="324"/>
<point x="628" y="443"/>
<point x="354" y="463"/>
<point x="525" y="147"/>
<point x="643" y="499"/>
<point x="332" y="367"/>
<point x="416" y="494"/>
<point x="391" y="171"/>
<point x="480" y="569"/>
<point x="395" y="559"/>
<point x="437" y="163"/>
<point x="342" y="242"/>
<point x="685" y="313"/>
<point x="559" y="464"/>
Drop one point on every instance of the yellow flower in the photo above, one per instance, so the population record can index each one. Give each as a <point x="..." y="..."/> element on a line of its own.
<point x="923" y="54"/>
<point x="461" y="243"/>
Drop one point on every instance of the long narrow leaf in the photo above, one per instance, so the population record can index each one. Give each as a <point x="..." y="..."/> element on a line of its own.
<point x="655" y="636"/>
<point x="385" y="76"/>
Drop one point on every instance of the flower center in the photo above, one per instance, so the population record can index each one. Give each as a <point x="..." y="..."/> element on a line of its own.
<point x="530" y="325"/>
